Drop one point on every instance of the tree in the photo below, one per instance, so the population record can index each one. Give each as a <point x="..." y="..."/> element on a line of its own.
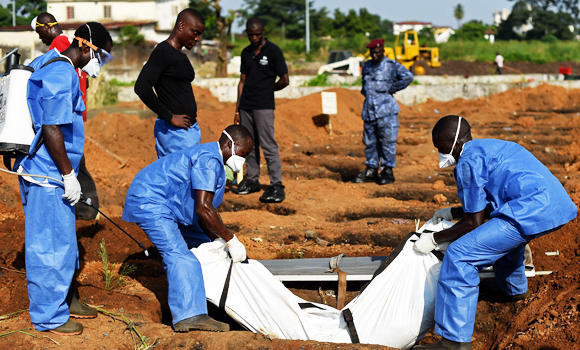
<point x="471" y="31"/>
<point x="458" y="14"/>
<point x="219" y="26"/>
<point x="548" y="18"/>
<point x="426" y="34"/>
<point x="25" y="11"/>
<point x="278" y="14"/>
<point x="208" y="14"/>
<point x="129" y="35"/>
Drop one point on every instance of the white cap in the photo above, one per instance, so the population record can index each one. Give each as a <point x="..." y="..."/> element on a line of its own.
<point x="33" y="23"/>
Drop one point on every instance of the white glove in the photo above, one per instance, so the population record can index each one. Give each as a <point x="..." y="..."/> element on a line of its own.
<point x="442" y="214"/>
<point x="72" y="188"/>
<point x="237" y="249"/>
<point x="425" y="244"/>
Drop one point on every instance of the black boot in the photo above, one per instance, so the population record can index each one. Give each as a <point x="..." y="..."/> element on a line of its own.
<point x="444" y="344"/>
<point x="367" y="175"/>
<point x="386" y="176"/>
<point x="273" y="194"/>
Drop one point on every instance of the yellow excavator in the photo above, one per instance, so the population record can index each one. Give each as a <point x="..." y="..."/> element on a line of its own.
<point x="407" y="52"/>
<point x="410" y="54"/>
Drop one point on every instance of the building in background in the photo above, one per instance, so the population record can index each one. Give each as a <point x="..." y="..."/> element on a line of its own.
<point x="410" y="25"/>
<point x="153" y="18"/>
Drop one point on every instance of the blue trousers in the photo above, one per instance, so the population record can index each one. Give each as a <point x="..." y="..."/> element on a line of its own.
<point x="169" y="139"/>
<point x="186" y="295"/>
<point x="380" y="140"/>
<point x="497" y="242"/>
<point x="51" y="253"/>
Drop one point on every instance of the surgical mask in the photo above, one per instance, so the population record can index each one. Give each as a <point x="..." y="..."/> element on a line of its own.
<point x="235" y="162"/>
<point x="447" y="160"/>
<point x="93" y="67"/>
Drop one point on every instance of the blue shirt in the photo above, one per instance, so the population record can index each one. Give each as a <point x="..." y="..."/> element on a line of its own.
<point x="166" y="188"/>
<point x="54" y="98"/>
<point x="379" y="83"/>
<point x="507" y="177"/>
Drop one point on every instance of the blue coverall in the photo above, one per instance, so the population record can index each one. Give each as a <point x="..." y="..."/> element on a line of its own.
<point x="51" y="253"/>
<point x="380" y="110"/>
<point x="161" y="200"/>
<point x="526" y="202"/>
<point x="169" y="138"/>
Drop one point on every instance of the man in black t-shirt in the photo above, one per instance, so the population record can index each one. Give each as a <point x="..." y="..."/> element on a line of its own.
<point x="262" y="63"/>
<point x="164" y="85"/>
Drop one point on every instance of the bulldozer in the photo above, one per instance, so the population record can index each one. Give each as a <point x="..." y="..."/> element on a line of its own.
<point x="407" y="51"/>
<point x="410" y="54"/>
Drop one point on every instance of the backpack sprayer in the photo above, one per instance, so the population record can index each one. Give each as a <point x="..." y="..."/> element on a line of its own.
<point x="16" y="132"/>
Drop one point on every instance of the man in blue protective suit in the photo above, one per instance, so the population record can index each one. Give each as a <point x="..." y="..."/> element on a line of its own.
<point x="164" y="85"/>
<point x="174" y="200"/>
<point x="381" y="78"/>
<point x="500" y="181"/>
<point x="56" y="106"/>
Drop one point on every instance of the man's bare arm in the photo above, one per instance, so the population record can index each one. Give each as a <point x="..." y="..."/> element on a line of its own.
<point x="468" y="222"/>
<point x="209" y="219"/>
<point x="282" y="82"/>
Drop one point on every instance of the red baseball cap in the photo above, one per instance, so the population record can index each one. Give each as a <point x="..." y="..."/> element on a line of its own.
<point x="376" y="43"/>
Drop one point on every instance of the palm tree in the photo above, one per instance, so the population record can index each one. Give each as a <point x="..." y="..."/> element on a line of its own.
<point x="458" y="14"/>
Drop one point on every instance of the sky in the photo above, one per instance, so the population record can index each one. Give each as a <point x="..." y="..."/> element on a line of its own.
<point x="439" y="12"/>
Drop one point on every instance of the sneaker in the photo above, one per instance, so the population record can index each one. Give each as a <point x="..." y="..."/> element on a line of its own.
<point x="69" y="328"/>
<point x="200" y="323"/>
<point x="80" y="310"/>
<point x="273" y="194"/>
<point x="367" y="175"/>
<point x="247" y="187"/>
<point x="386" y="176"/>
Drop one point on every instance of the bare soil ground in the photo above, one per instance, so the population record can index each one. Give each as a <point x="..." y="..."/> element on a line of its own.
<point x="357" y="219"/>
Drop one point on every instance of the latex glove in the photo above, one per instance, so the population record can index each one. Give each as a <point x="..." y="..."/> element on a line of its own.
<point x="237" y="249"/>
<point x="425" y="244"/>
<point x="72" y="188"/>
<point x="442" y="214"/>
<point x="221" y="240"/>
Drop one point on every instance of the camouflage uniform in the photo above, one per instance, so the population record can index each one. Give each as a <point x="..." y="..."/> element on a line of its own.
<point x="380" y="110"/>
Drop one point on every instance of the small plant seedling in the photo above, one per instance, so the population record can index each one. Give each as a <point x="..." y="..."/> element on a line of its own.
<point x="112" y="281"/>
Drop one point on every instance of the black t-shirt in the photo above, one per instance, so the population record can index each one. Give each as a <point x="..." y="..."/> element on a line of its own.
<point x="261" y="71"/>
<point x="168" y="71"/>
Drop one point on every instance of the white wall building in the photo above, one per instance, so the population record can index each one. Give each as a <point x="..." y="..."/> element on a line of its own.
<point x="154" y="18"/>
<point x="410" y="25"/>
<point x="163" y="12"/>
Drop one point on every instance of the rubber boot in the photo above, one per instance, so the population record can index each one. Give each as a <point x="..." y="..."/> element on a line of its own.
<point x="80" y="310"/>
<point x="386" y="176"/>
<point x="69" y="328"/>
<point x="444" y="344"/>
<point x="200" y="323"/>
<point x="75" y="307"/>
<point x="367" y="175"/>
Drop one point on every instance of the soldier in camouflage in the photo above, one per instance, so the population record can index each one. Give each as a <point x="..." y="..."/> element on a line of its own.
<point x="381" y="78"/>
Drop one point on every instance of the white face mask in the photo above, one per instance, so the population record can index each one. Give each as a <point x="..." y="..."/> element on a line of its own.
<point x="235" y="162"/>
<point x="447" y="160"/>
<point x="93" y="67"/>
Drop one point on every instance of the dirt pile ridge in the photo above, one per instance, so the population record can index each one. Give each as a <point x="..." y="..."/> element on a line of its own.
<point x="357" y="219"/>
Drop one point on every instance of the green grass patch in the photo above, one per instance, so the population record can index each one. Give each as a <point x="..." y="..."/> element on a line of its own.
<point x="525" y="51"/>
